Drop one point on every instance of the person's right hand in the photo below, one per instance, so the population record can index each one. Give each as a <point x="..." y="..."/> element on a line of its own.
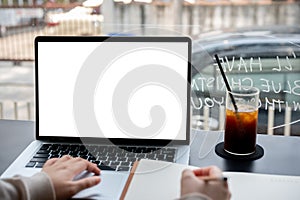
<point x="62" y="172"/>
<point x="192" y="182"/>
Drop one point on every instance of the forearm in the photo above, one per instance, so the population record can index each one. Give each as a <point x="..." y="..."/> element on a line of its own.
<point x="25" y="188"/>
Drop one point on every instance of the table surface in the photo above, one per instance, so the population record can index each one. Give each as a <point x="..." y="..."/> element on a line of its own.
<point x="281" y="153"/>
<point x="15" y="137"/>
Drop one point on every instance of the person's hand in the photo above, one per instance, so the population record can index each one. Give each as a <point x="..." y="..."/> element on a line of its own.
<point x="192" y="182"/>
<point x="62" y="172"/>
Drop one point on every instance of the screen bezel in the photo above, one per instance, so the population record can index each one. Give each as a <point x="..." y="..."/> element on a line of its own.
<point x="117" y="141"/>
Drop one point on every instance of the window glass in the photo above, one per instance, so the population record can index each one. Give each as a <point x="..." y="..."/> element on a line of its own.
<point x="257" y="41"/>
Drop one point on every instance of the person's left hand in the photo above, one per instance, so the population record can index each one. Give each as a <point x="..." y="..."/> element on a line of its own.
<point x="62" y="172"/>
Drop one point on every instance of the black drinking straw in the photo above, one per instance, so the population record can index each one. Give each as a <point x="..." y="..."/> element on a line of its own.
<point x="226" y="82"/>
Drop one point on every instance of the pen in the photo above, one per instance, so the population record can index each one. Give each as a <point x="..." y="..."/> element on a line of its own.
<point x="222" y="178"/>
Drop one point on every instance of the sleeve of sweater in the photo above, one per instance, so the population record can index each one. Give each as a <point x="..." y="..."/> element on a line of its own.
<point x="38" y="186"/>
<point x="194" y="196"/>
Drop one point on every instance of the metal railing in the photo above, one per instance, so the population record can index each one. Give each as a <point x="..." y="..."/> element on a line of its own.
<point x="25" y="111"/>
<point x="14" y="110"/>
<point x="206" y="122"/>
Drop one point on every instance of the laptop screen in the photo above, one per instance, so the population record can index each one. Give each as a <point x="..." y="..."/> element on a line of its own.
<point x="132" y="88"/>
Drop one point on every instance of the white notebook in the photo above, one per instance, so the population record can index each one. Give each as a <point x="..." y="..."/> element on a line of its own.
<point x="161" y="180"/>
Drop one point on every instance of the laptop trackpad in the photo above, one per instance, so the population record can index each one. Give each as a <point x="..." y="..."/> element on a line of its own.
<point x="110" y="187"/>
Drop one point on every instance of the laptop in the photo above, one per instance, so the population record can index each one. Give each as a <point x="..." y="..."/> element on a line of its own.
<point x="112" y="101"/>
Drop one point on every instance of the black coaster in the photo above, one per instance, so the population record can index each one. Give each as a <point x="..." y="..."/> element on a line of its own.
<point x="219" y="149"/>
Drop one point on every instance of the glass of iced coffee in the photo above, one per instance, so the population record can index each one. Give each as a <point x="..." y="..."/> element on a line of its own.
<point x="241" y="120"/>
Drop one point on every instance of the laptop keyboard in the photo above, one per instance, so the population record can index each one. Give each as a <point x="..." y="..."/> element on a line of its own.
<point x="106" y="157"/>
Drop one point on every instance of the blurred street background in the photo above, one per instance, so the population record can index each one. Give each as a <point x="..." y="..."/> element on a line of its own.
<point x="22" y="20"/>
